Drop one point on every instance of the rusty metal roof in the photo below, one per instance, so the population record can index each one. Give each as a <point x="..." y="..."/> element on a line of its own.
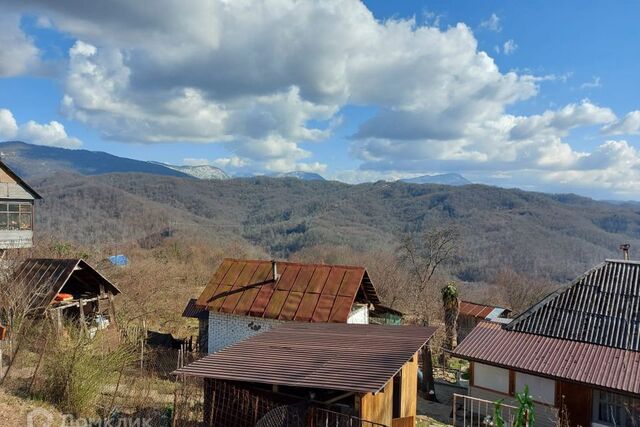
<point x="481" y="311"/>
<point x="600" y="307"/>
<point x="50" y="275"/>
<point x="335" y="356"/>
<point x="302" y="292"/>
<point x="586" y="363"/>
<point x="194" y="311"/>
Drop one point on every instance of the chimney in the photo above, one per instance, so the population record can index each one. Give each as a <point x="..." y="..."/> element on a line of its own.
<point x="274" y="270"/>
<point x="625" y="250"/>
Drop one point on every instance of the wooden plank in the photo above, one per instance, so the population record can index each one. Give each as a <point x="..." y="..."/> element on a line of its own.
<point x="409" y="392"/>
<point x="404" y="422"/>
<point x="378" y="407"/>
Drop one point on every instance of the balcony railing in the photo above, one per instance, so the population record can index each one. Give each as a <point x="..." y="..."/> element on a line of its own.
<point x="473" y="412"/>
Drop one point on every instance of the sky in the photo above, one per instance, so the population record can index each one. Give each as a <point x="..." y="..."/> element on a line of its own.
<point x="540" y="95"/>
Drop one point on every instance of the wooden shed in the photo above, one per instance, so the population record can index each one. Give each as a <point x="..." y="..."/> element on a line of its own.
<point x="17" y="206"/>
<point x="315" y="374"/>
<point x="70" y="289"/>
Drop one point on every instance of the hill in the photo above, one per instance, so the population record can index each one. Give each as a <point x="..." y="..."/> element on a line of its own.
<point x="31" y="161"/>
<point x="444" y="179"/>
<point x="556" y="236"/>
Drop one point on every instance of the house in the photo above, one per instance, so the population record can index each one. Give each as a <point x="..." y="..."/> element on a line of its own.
<point x="578" y="351"/>
<point x="69" y="289"/>
<point x="314" y="374"/>
<point x="17" y="202"/>
<point x="246" y="297"/>
<point x="471" y="313"/>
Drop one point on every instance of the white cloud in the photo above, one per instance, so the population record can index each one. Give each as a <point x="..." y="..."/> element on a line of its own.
<point x="232" y="72"/>
<point x="8" y="125"/>
<point x="628" y="125"/>
<point x="52" y="134"/>
<point x="509" y="47"/>
<point x="232" y="162"/>
<point x="593" y="84"/>
<point x="257" y="77"/>
<point x="492" y="23"/>
<point x="18" y="53"/>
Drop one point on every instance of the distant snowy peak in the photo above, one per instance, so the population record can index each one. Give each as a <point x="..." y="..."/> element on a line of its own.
<point x="443" y="179"/>
<point x="305" y="176"/>
<point x="205" y="172"/>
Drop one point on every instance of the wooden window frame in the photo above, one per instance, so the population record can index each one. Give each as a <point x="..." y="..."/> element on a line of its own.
<point x="18" y="212"/>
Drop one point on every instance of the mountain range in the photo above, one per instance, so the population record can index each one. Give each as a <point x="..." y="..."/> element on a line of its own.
<point x="551" y="235"/>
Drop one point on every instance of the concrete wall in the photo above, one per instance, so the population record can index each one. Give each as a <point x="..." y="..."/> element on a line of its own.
<point x="227" y="329"/>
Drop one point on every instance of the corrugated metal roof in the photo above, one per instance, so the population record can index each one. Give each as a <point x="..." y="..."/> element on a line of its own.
<point x="481" y="311"/>
<point x="600" y="307"/>
<point x="592" y="364"/>
<point x="302" y="292"/>
<point x="53" y="274"/>
<point x="193" y="310"/>
<point x="358" y="358"/>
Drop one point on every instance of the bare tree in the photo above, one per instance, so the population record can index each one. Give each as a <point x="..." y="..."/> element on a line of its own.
<point x="19" y="302"/>
<point x="517" y="291"/>
<point x="423" y="255"/>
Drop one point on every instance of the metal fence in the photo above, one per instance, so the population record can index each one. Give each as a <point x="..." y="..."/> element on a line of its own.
<point x="473" y="412"/>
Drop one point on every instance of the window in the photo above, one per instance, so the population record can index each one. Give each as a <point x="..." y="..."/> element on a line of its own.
<point x="16" y="216"/>
<point x="491" y="377"/>
<point x="617" y="410"/>
<point x="542" y="390"/>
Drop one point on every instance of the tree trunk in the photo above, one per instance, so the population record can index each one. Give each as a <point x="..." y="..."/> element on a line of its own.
<point x="428" y="381"/>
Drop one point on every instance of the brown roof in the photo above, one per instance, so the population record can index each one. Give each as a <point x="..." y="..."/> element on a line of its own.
<point x="591" y="364"/>
<point x="357" y="358"/>
<point x="480" y="311"/>
<point x="193" y="310"/>
<point x="302" y="292"/>
<point x="50" y="275"/>
<point x="600" y="307"/>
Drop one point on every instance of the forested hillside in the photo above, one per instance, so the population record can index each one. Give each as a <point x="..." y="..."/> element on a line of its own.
<point x="555" y="236"/>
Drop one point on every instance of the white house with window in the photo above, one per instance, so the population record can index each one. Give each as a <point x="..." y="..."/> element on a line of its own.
<point x="577" y="350"/>
<point x="17" y="201"/>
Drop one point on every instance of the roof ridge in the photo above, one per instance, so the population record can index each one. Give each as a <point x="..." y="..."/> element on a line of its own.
<point x="354" y="267"/>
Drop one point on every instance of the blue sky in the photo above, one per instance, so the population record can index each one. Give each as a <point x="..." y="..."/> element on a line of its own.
<point x="539" y="95"/>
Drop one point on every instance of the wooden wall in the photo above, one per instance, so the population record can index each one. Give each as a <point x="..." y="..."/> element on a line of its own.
<point x="409" y="388"/>
<point x="378" y="407"/>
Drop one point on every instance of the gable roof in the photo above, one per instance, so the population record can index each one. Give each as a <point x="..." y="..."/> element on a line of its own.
<point x="303" y="292"/>
<point x="600" y="307"/>
<point x="50" y="275"/>
<point x="586" y="363"/>
<point x="19" y="180"/>
<point x="356" y="358"/>
<point x="481" y="311"/>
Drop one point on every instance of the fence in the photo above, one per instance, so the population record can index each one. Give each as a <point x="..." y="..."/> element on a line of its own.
<point x="473" y="412"/>
<point x="220" y="403"/>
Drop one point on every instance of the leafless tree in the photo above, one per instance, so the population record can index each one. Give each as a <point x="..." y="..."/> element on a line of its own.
<point x="423" y="255"/>
<point x="19" y="301"/>
<point x="518" y="292"/>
